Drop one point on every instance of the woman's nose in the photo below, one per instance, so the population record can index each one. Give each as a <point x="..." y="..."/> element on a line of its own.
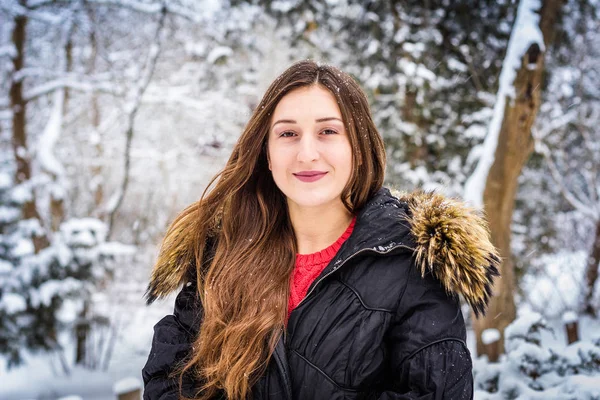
<point x="308" y="150"/>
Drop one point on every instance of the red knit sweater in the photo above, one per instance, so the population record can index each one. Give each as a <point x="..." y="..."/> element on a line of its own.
<point x="309" y="266"/>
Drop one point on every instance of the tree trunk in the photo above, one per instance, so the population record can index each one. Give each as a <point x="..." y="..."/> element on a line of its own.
<point x="416" y="146"/>
<point x="591" y="274"/>
<point x="19" y="139"/>
<point x="82" y="329"/>
<point x="96" y="169"/>
<point x="515" y="145"/>
<point x="23" y="172"/>
<point x="57" y="207"/>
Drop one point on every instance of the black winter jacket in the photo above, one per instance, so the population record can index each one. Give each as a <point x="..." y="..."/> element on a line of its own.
<point x="382" y="321"/>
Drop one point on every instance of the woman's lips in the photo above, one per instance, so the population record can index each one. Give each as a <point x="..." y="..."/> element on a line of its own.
<point x="310" y="176"/>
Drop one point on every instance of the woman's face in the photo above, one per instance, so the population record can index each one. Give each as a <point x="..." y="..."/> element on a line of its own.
<point x="308" y="148"/>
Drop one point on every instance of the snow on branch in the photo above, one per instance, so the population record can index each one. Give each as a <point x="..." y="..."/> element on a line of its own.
<point x="8" y="50"/>
<point x="586" y="209"/>
<point x="14" y="8"/>
<point x="70" y="83"/>
<point x="50" y="136"/>
<point x="137" y="6"/>
<point x="525" y="32"/>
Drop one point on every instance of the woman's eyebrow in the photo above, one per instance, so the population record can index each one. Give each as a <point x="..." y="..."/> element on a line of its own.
<point x="328" y="119"/>
<point x="291" y="121"/>
<point x="283" y="121"/>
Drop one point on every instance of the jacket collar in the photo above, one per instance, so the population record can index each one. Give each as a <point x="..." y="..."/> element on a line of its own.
<point x="447" y="238"/>
<point x="381" y="225"/>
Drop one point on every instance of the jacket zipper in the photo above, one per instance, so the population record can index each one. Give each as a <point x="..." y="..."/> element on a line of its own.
<point x="278" y="357"/>
<point x="365" y="250"/>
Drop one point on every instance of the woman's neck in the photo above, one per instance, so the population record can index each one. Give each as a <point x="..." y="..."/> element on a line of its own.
<point x="318" y="227"/>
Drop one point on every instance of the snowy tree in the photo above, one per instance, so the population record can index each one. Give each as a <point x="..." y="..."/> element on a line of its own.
<point x="532" y="370"/>
<point x="41" y="272"/>
<point x="509" y="144"/>
<point x="568" y="137"/>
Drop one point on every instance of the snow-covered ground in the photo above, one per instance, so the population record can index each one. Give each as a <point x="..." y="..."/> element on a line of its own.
<point x="42" y="377"/>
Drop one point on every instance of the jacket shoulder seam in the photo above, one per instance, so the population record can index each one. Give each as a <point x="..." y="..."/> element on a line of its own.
<point x="365" y="306"/>
<point x="448" y="339"/>
<point x="319" y="370"/>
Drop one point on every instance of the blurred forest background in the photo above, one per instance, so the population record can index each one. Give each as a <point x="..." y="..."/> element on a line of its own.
<point x="115" y="113"/>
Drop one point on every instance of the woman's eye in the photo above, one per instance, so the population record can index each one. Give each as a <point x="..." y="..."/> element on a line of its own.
<point x="286" y="134"/>
<point x="329" y="132"/>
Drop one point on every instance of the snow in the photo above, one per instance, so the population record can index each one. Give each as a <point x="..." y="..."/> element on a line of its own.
<point x="51" y="288"/>
<point x="490" y="336"/>
<point x="113" y="201"/>
<point x="539" y="364"/>
<point x="195" y="49"/>
<point x="12" y="303"/>
<point x="116" y="248"/>
<point x="569" y="317"/>
<point x="21" y="193"/>
<point x="8" y="50"/>
<point x="525" y="328"/>
<point x="217" y="53"/>
<point x="23" y="247"/>
<point x="38" y="379"/>
<point x="283" y="6"/>
<point x="557" y="289"/>
<point x="525" y="33"/>
<point x="84" y="232"/>
<point x="42" y="375"/>
<point x="583" y="386"/>
<point x="416" y="74"/>
<point x="126" y="385"/>
<point x="456" y="65"/>
<point x="5" y="181"/>
<point x="9" y="214"/>
<point x="5" y="267"/>
<point x="50" y="136"/>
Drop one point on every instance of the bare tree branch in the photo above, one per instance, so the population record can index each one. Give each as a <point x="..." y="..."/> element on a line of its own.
<point x="133" y="108"/>
<point x="66" y="82"/>
<point x="137" y="6"/>
<point x="586" y="209"/>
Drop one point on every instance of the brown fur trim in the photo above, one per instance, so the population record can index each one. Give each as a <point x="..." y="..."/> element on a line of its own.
<point x="166" y="278"/>
<point x="176" y="262"/>
<point x="452" y="241"/>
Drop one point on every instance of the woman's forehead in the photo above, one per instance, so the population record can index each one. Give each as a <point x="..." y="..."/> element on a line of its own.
<point x="312" y="100"/>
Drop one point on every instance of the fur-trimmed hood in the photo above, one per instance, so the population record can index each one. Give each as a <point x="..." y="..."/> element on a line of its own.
<point x="448" y="239"/>
<point x="452" y="242"/>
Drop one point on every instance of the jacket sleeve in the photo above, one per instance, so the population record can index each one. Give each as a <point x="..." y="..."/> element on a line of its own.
<point x="171" y="344"/>
<point x="428" y="357"/>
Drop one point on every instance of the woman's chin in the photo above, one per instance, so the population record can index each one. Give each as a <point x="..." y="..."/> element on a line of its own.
<point x="312" y="200"/>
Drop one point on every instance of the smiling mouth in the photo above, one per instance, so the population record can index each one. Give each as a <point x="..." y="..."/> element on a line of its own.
<point x="310" y="176"/>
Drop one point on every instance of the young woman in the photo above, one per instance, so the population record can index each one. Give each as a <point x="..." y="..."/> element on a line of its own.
<point x="303" y="278"/>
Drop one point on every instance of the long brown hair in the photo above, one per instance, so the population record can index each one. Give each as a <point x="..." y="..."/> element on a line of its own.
<point x="244" y="283"/>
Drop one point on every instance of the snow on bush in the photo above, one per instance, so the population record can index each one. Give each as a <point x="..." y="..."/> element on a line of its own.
<point x="569" y="317"/>
<point x="45" y="294"/>
<point x="126" y="385"/>
<point x="490" y="336"/>
<point x="529" y="370"/>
